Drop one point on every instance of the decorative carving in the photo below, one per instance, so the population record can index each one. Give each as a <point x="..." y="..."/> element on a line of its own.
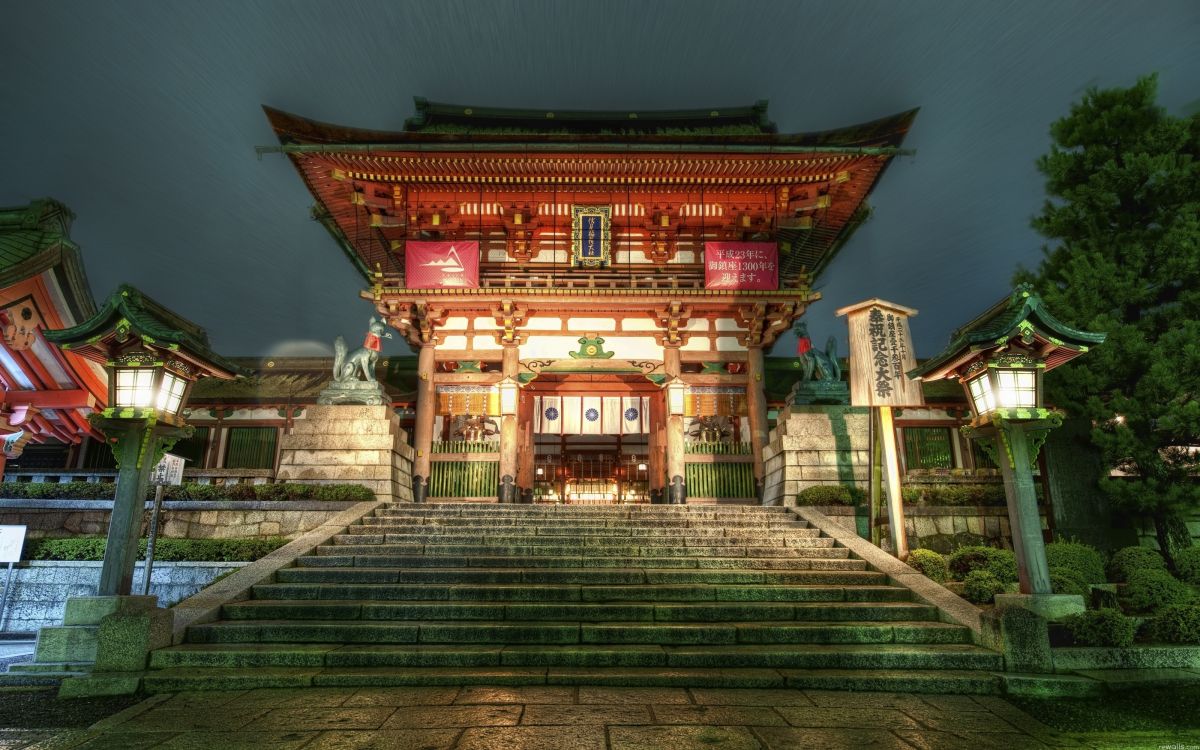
<point x="711" y="429"/>
<point x="473" y="428"/>
<point x="674" y="320"/>
<point x="509" y="317"/>
<point x="764" y="323"/>
<point x="519" y="228"/>
<point x="662" y="237"/>
<point x="591" y="347"/>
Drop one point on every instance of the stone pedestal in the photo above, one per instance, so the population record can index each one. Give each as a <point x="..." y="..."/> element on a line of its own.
<point x="342" y="444"/>
<point x="105" y="640"/>
<point x="813" y="445"/>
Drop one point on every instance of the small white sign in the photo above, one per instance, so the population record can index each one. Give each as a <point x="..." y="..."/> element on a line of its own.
<point x="12" y="538"/>
<point x="168" y="471"/>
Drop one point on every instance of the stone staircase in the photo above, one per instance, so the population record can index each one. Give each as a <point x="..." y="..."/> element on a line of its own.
<point x="652" y="595"/>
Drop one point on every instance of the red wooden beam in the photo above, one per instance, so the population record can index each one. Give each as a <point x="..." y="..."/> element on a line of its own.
<point x="69" y="399"/>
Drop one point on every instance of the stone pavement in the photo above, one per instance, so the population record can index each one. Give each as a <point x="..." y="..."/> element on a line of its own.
<point x="570" y="718"/>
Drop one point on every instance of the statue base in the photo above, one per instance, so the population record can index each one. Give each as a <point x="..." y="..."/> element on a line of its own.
<point x="363" y="392"/>
<point x="819" y="392"/>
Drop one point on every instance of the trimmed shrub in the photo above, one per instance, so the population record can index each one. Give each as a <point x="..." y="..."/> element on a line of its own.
<point x="1178" y="623"/>
<point x="999" y="562"/>
<point x="935" y="495"/>
<point x="1102" y="627"/>
<point x="272" y="492"/>
<point x="1125" y="561"/>
<point x="1066" y="581"/>
<point x="1084" y="561"/>
<point x="1149" y="590"/>
<point x="167" y="550"/>
<point x="930" y="564"/>
<point x="1188" y="564"/>
<point x="830" y="494"/>
<point x="980" y="587"/>
<point x="341" y="493"/>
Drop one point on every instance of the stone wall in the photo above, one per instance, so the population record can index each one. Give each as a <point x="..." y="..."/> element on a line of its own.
<point x="40" y="589"/>
<point x="939" y="529"/>
<point x="183" y="519"/>
<point x="335" y="444"/>
<point x="813" y="445"/>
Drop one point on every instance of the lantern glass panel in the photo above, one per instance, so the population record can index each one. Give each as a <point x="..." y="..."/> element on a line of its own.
<point x="509" y="392"/>
<point x="1017" y="388"/>
<point x="981" y="394"/>
<point x="676" y="393"/>
<point x="170" y="393"/>
<point x="135" y="387"/>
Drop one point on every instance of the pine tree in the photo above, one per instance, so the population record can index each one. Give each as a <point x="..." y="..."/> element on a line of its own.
<point x="1123" y="220"/>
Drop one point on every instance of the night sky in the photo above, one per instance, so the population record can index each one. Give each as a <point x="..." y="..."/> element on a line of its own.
<point x="143" y="118"/>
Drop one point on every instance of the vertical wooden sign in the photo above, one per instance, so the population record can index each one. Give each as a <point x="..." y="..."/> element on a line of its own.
<point x="881" y="353"/>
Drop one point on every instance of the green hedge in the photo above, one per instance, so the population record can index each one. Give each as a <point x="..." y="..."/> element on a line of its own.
<point x="91" y="548"/>
<point x="1188" y="563"/>
<point x="999" y="562"/>
<point x="1083" y="561"/>
<point x="1178" y="623"/>
<point x="1150" y="590"/>
<point x="1102" y="627"/>
<point x="981" y="587"/>
<point x="930" y="564"/>
<point x="935" y="495"/>
<point x="831" y="494"/>
<point x="190" y="491"/>
<point x="1128" y="560"/>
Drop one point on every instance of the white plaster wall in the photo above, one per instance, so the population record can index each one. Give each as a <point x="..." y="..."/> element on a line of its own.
<point x="591" y="324"/>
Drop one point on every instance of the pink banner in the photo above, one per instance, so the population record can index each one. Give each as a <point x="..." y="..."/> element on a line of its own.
<point x="741" y="265"/>
<point x="435" y="265"/>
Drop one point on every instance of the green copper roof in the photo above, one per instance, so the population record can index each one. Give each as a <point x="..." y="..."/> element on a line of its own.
<point x="1023" y="309"/>
<point x="148" y="319"/>
<point x="35" y="239"/>
<point x="433" y="117"/>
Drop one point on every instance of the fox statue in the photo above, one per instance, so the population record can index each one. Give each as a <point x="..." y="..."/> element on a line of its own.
<point x="817" y="365"/>
<point x="348" y="367"/>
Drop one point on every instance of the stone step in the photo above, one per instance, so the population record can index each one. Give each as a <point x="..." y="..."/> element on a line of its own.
<point x="526" y="550"/>
<point x="642" y="508"/>
<point x="575" y="534"/>
<point x="560" y="592"/>
<point x="584" y="576"/>
<point x="959" y="682"/>
<point x="597" y="521"/>
<point x="601" y="519"/>
<point x="329" y="557"/>
<point x="621" y="612"/>
<point x="585" y="543"/>
<point x="51" y="667"/>
<point x="779" y="558"/>
<point x="846" y="656"/>
<point x="416" y="624"/>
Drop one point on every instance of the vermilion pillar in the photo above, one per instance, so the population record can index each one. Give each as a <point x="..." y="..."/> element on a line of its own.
<point x="756" y="405"/>
<point x="423" y="432"/>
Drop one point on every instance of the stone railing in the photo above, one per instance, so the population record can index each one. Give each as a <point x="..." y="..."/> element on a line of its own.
<point x="199" y="476"/>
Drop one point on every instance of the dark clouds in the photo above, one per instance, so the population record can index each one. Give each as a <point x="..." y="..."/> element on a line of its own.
<point x="143" y="117"/>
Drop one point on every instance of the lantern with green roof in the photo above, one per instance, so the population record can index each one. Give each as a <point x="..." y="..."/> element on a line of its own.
<point x="152" y="356"/>
<point x="1000" y="358"/>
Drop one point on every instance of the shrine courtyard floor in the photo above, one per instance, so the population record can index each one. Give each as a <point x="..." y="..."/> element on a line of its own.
<point x="586" y="718"/>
